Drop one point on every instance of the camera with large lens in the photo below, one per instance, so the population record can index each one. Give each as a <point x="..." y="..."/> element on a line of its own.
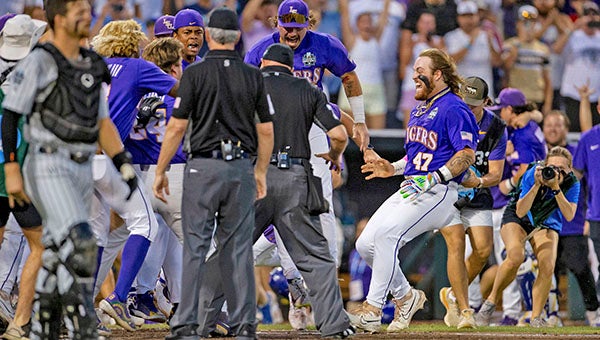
<point x="548" y="172"/>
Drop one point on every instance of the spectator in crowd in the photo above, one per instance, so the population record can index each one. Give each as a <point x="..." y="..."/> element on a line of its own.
<point x="582" y="64"/>
<point x="422" y="39"/>
<point x="111" y="10"/>
<point x="257" y="21"/>
<point x="473" y="49"/>
<point x="527" y="61"/>
<point x="362" y="38"/>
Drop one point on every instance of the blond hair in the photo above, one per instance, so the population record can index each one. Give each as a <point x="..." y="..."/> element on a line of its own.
<point x="163" y="52"/>
<point x="559" y="151"/>
<point x="120" y="38"/>
<point x="440" y="60"/>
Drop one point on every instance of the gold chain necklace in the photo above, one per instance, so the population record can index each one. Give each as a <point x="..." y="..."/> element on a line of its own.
<point x="426" y="105"/>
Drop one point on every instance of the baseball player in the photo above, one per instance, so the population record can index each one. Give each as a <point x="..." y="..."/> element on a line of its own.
<point x="441" y="140"/>
<point x="26" y="32"/>
<point x="163" y="27"/>
<point x="476" y="212"/>
<point x="313" y="54"/>
<point x="189" y="29"/>
<point x="131" y="79"/>
<point x="59" y="86"/>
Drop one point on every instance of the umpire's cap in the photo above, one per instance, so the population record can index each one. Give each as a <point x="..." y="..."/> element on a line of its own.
<point x="19" y="35"/>
<point x="280" y="53"/>
<point x="223" y="18"/>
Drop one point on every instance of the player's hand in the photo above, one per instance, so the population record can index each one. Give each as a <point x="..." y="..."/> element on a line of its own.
<point x="261" y="185"/>
<point x="470" y="180"/>
<point x="146" y="110"/>
<point x="334" y="163"/>
<point x="14" y="185"/>
<point x="413" y="187"/>
<point x="380" y="168"/>
<point x="161" y="186"/>
<point x="359" y="130"/>
<point x="370" y="156"/>
<point x="122" y="162"/>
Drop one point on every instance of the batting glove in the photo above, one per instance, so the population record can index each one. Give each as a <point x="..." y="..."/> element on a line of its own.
<point x="147" y="110"/>
<point x="122" y="162"/>
<point x="413" y="187"/>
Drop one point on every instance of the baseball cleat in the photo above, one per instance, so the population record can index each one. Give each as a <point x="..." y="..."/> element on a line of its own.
<point x="447" y="298"/>
<point x="366" y="317"/>
<point x="118" y="311"/>
<point x="406" y="307"/>
<point x="466" y="319"/>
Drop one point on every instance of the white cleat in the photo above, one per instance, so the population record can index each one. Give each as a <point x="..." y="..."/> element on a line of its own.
<point x="406" y="307"/>
<point x="366" y="317"/>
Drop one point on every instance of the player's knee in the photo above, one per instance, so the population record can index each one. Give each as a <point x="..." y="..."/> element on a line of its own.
<point x="85" y="250"/>
<point x="515" y="256"/>
<point x="482" y="253"/>
<point x="364" y="247"/>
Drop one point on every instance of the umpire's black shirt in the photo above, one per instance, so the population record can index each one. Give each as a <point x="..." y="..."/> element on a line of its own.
<point x="224" y="99"/>
<point x="293" y="118"/>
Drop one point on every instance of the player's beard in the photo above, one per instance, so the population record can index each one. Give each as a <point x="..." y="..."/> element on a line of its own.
<point x="422" y="92"/>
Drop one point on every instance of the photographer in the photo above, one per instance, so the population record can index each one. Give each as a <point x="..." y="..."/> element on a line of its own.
<point x="546" y="194"/>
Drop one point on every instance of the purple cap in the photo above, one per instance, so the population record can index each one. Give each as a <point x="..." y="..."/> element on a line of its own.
<point x="509" y="97"/>
<point x="188" y="17"/>
<point x="292" y="13"/>
<point x="4" y="18"/>
<point x="164" y="26"/>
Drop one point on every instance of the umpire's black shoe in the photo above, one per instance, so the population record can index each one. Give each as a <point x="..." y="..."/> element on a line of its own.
<point x="187" y="332"/>
<point x="348" y="332"/>
<point x="246" y="332"/>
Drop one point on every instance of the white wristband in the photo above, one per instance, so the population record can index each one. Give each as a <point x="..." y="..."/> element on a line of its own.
<point x="357" y="105"/>
<point x="445" y="173"/>
<point x="399" y="167"/>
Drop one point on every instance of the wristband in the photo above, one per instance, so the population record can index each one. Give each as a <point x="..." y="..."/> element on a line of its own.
<point x="399" y="167"/>
<point x="444" y="173"/>
<point x="509" y="184"/>
<point x="357" y="105"/>
<point x="555" y="192"/>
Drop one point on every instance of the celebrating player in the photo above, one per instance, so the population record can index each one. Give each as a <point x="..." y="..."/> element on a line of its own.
<point x="440" y="144"/>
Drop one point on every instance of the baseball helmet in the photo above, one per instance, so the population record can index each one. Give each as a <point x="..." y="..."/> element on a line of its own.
<point x="278" y="282"/>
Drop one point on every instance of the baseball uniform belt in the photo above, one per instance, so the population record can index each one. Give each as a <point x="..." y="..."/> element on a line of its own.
<point x="217" y="154"/>
<point x="77" y="157"/>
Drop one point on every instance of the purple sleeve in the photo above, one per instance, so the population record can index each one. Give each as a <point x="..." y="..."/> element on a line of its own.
<point x="462" y="128"/>
<point x="153" y="79"/>
<point x="580" y="156"/>
<point x="253" y="56"/>
<point x="499" y="151"/>
<point x="339" y="63"/>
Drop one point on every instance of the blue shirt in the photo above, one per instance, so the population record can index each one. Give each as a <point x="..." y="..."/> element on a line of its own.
<point x="316" y="53"/>
<point x="555" y="220"/>
<point x="132" y="78"/>
<point x="144" y="144"/>
<point x="438" y="128"/>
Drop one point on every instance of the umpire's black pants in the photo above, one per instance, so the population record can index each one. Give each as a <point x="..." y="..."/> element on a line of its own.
<point x="212" y="186"/>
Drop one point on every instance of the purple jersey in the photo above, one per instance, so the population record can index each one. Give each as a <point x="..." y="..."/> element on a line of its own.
<point x="185" y="64"/>
<point x="144" y="144"/>
<point x="586" y="158"/>
<point x="133" y="78"/>
<point x="575" y="227"/>
<point x="438" y="128"/>
<point x="316" y="52"/>
<point x="529" y="146"/>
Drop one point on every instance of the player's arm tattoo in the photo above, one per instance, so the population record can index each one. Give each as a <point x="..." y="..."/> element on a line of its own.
<point x="351" y="84"/>
<point x="461" y="161"/>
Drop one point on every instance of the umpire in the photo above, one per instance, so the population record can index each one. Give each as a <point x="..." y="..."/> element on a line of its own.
<point x="230" y="119"/>
<point x="298" y="104"/>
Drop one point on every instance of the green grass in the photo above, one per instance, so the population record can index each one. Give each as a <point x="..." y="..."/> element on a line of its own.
<point x="438" y="326"/>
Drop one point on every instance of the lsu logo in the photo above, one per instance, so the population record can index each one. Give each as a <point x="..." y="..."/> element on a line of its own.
<point x="293" y="10"/>
<point x="168" y="24"/>
<point x="433" y="113"/>
<point x="309" y="59"/>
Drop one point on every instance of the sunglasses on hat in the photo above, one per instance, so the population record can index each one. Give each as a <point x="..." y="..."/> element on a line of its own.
<point x="293" y="17"/>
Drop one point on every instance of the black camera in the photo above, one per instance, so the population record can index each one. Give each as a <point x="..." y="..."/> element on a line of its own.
<point x="549" y="172"/>
<point x="462" y="202"/>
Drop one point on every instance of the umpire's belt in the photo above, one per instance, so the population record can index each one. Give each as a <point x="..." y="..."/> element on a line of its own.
<point x="293" y="160"/>
<point x="217" y="154"/>
<point x="78" y="157"/>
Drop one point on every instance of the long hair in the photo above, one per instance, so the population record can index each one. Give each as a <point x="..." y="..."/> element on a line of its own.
<point x="120" y="38"/>
<point x="440" y="60"/>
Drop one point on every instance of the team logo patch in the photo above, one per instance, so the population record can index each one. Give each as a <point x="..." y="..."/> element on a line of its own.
<point x="309" y="59"/>
<point x="433" y="113"/>
<point x="470" y="90"/>
<point x="168" y="24"/>
<point x="87" y="80"/>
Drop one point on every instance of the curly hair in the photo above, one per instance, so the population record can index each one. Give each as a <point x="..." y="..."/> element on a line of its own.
<point x="120" y="38"/>
<point x="163" y="52"/>
<point x="440" y="60"/>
